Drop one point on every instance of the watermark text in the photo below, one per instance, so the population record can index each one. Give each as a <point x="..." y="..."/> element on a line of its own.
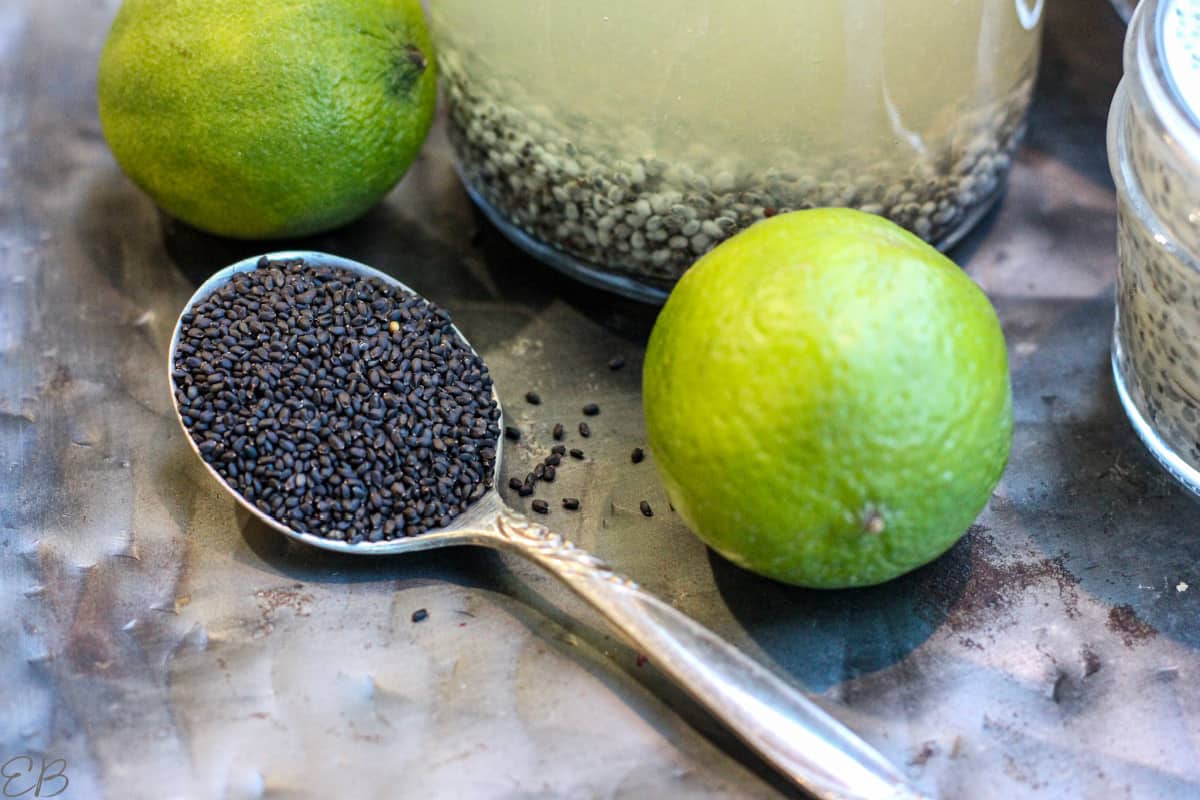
<point x="33" y="776"/>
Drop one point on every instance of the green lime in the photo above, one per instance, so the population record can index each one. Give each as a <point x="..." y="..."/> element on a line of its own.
<point x="265" y="118"/>
<point x="827" y="398"/>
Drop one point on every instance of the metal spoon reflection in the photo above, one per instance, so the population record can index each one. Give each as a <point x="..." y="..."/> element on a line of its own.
<point x="769" y="714"/>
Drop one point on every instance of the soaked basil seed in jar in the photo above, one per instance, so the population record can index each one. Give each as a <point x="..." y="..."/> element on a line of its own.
<point x="1154" y="153"/>
<point x="622" y="140"/>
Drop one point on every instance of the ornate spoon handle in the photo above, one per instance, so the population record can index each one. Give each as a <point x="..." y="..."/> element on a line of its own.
<point x="773" y="717"/>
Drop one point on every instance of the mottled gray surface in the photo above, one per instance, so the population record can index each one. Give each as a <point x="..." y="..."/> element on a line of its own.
<point x="168" y="647"/>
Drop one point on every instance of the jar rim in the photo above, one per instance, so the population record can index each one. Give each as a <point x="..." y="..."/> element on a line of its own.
<point x="1146" y="56"/>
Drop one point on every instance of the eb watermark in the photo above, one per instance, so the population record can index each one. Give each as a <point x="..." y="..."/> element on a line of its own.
<point x="29" y="776"/>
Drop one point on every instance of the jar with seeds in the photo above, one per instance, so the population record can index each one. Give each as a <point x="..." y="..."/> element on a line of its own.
<point x="621" y="140"/>
<point x="1154" y="153"/>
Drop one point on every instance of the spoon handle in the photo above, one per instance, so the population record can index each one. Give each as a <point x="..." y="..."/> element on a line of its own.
<point x="772" y="716"/>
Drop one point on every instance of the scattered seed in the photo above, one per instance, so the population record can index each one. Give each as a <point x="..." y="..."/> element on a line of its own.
<point x="584" y="430"/>
<point x="646" y="510"/>
<point x="511" y="433"/>
<point x="540" y="506"/>
<point x="616" y="362"/>
<point x="591" y="410"/>
<point x="571" y="503"/>
<point x="515" y="484"/>
<point x="533" y="398"/>
<point x="559" y="432"/>
<point x="558" y="450"/>
<point x="549" y="474"/>
<point x="420" y="615"/>
<point x="525" y="490"/>
<point x="577" y="454"/>
<point x="553" y="460"/>
<point x="638" y="455"/>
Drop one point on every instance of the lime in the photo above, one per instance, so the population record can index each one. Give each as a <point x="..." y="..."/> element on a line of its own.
<point x="266" y="118"/>
<point x="827" y="398"/>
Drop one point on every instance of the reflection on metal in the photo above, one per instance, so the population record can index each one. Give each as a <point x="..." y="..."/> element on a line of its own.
<point x="1124" y="8"/>
<point x="165" y="644"/>
<point x="774" y="718"/>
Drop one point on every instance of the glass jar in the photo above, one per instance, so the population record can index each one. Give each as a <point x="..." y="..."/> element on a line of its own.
<point x="621" y="139"/>
<point x="1154" y="154"/>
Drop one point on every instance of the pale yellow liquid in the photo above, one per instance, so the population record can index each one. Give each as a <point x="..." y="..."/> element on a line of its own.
<point x="892" y="78"/>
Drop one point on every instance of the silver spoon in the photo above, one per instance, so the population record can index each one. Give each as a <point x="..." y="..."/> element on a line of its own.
<point x="770" y="715"/>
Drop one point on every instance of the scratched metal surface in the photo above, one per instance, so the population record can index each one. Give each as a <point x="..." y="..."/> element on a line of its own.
<point x="168" y="647"/>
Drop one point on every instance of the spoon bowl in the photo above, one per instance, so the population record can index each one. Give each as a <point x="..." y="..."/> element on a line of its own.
<point x="771" y="715"/>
